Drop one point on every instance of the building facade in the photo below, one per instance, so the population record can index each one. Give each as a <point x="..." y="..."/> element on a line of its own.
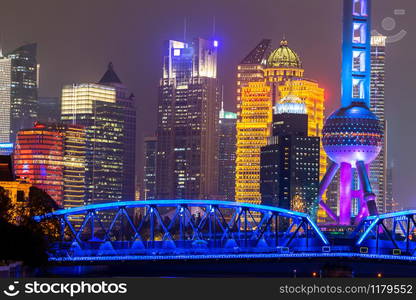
<point x="378" y="167"/>
<point x="38" y="158"/>
<point x="187" y="130"/>
<point x="250" y="69"/>
<point x="253" y="130"/>
<point x="94" y="107"/>
<point x="52" y="157"/>
<point x="149" y="180"/>
<point x="74" y="162"/>
<point x="5" y="99"/>
<point x="226" y="155"/>
<point x="282" y="73"/>
<point x="391" y="204"/>
<point x="290" y="162"/>
<point x="18" y="93"/>
<point x="126" y="100"/>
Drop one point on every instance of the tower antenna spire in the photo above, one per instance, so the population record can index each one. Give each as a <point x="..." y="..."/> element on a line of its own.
<point x="184" y="29"/>
<point x="1" y="44"/>
<point x="213" y="26"/>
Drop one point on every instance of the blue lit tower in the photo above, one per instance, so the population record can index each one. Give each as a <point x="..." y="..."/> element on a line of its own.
<point x="352" y="135"/>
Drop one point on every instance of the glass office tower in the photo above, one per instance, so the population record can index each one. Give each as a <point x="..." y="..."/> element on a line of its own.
<point x="18" y="91"/>
<point x="187" y="130"/>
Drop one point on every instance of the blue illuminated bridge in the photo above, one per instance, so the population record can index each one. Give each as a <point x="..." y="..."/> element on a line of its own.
<point x="209" y="230"/>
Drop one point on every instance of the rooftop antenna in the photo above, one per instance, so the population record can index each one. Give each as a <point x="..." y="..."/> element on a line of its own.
<point x="213" y="26"/>
<point x="222" y="102"/>
<point x="1" y="44"/>
<point x="184" y="29"/>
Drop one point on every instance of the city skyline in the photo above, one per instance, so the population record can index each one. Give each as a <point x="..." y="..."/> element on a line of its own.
<point x="189" y="138"/>
<point x="230" y="46"/>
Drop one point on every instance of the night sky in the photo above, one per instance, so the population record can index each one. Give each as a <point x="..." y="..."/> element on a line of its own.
<point x="76" y="40"/>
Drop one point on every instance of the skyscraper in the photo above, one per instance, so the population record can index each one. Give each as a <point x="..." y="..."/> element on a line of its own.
<point x="149" y="180"/>
<point x="187" y="131"/>
<point x="126" y="101"/>
<point x="251" y="136"/>
<point x="290" y="162"/>
<point x="253" y="129"/>
<point x="226" y="155"/>
<point x="18" y="93"/>
<point x="52" y="158"/>
<point x="49" y="109"/>
<point x="285" y="74"/>
<point x="391" y="205"/>
<point x="281" y="73"/>
<point x="38" y="158"/>
<point x="250" y="69"/>
<point x="378" y="167"/>
<point x="5" y="99"/>
<point x="94" y="106"/>
<point x="74" y="162"/>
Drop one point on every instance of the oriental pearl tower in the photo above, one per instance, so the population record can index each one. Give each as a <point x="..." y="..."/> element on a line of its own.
<point x="352" y="136"/>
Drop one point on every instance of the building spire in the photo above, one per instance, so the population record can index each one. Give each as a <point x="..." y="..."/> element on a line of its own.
<point x="110" y="75"/>
<point x="1" y="45"/>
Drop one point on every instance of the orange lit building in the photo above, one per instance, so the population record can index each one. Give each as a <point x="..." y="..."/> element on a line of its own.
<point x="17" y="189"/>
<point x="253" y="129"/>
<point x="38" y="158"/>
<point x="52" y="158"/>
<point x="280" y="73"/>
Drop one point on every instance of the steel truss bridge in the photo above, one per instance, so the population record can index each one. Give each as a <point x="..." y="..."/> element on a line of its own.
<point x="210" y="229"/>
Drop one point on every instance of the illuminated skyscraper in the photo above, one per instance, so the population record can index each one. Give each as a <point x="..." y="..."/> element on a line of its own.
<point x="290" y="162"/>
<point x="251" y="67"/>
<point x="74" y="138"/>
<point x="253" y="129"/>
<point x="18" y="91"/>
<point x="283" y="74"/>
<point x="226" y="155"/>
<point x="126" y="101"/>
<point x="5" y="99"/>
<point x="94" y="106"/>
<point x="38" y="158"/>
<point x="353" y="135"/>
<point x="52" y="158"/>
<point x="187" y="131"/>
<point x="149" y="180"/>
<point x="378" y="167"/>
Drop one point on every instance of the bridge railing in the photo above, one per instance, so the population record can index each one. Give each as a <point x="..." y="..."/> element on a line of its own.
<point x="182" y="227"/>
<point x="392" y="233"/>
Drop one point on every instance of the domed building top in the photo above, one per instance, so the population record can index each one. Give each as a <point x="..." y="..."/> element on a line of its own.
<point x="284" y="57"/>
<point x="291" y="104"/>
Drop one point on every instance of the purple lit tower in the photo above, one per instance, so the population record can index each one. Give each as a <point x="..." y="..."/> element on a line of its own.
<point x="352" y="135"/>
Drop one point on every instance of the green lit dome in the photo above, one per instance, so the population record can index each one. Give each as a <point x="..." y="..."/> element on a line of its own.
<point x="284" y="57"/>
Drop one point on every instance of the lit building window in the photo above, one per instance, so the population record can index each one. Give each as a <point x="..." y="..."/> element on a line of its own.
<point x="358" y="58"/>
<point x="358" y="88"/>
<point x="359" y="32"/>
<point x="360" y="8"/>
